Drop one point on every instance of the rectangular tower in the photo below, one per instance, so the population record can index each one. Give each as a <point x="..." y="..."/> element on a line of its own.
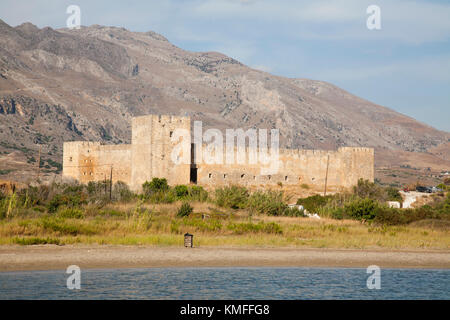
<point x="151" y="151"/>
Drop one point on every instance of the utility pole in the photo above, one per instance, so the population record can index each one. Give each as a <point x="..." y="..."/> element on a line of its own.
<point x="110" y="184"/>
<point x="39" y="163"/>
<point x="326" y="176"/>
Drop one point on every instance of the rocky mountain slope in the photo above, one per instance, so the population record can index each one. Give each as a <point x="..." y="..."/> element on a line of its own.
<point x="60" y="85"/>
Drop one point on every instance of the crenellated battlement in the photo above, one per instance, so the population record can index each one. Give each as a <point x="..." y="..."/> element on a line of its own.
<point x="163" y="119"/>
<point x="356" y="149"/>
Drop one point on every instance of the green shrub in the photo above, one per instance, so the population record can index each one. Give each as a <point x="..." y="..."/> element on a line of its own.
<point x="197" y="193"/>
<point x="156" y="185"/>
<point x="71" y="201"/>
<point x="35" y="241"/>
<point x="391" y="216"/>
<point x="445" y="208"/>
<point x="32" y="196"/>
<point x="162" y="197"/>
<point x="64" y="227"/>
<point x="58" y="200"/>
<point x="185" y="210"/>
<point x="72" y="189"/>
<point x="121" y="192"/>
<point x="2" y="209"/>
<point x="260" y="227"/>
<point x="338" y="213"/>
<point x="393" y="194"/>
<point x="268" y="202"/>
<point x="313" y="203"/>
<point x="71" y="213"/>
<point x="181" y="191"/>
<point x="232" y="197"/>
<point x="361" y="209"/>
<point x="367" y="189"/>
<point x="97" y="189"/>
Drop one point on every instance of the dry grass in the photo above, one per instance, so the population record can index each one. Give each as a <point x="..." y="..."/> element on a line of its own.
<point x="157" y="225"/>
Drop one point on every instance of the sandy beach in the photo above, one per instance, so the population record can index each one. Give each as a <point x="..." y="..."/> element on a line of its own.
<point x="52" y="257"/>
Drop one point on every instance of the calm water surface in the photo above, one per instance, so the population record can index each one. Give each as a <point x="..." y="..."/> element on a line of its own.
<point x="227" y="283"/>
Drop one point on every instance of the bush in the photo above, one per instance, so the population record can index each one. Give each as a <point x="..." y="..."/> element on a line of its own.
<point x="3" y="208"/>
<point x="366" y="189"/>
<point x="393" y="194"/>
<point x="294" y="212"/>
<point x="338" y="213"/>
<point x="269" y="202"/>
<point x="122" y="193"/>
<point x="64" y="227"/>
<point x="156" y="185"/>
<point x="197" y="193"/>
<point x="69" y="200"/>
<point x="162" y="197"/>
<point x="33" y="196"/>
<point x="181" y="191"/>
<point x="185" y="210"/>
<point x="391" y="216"/>
<point x="97" y="189"/>
<point x="361" y="209"/>
<point x="35" y="241"/>
<point x="313" y="203"/>
<point x="71" y="213"/>
<point x="232" y="197"/>
<point x="158" y="191"/>
<point x="71" y="189"/>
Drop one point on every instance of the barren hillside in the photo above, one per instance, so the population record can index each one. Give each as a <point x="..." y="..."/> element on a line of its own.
<point x="60" y="85"/>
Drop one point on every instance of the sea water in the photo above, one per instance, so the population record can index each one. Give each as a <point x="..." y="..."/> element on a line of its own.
<point x="227" y="283"/>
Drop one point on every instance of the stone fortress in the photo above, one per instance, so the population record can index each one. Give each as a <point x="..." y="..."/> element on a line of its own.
<point x="149" y="156"/>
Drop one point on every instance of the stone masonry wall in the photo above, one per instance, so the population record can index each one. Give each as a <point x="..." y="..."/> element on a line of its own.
<point x="90" y="161"/>
<point x="297" y="167"/>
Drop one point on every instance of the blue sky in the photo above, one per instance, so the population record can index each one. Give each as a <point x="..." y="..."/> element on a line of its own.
<point x="404" y="66"/>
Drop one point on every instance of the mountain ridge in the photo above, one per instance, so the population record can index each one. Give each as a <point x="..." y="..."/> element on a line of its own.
<point x="86" y="84"/>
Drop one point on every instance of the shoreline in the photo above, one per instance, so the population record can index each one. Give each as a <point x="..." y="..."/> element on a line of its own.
<point x="52" y="257"/>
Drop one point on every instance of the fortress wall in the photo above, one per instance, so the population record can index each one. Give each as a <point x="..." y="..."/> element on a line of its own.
<point x="297" y="167"/>
<point x="152" y="150"/>
<point x="117" y="156"/>
<point x="357" y="163"/>
<point x="71" y="159"/>
<point x="91" y="161"/>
